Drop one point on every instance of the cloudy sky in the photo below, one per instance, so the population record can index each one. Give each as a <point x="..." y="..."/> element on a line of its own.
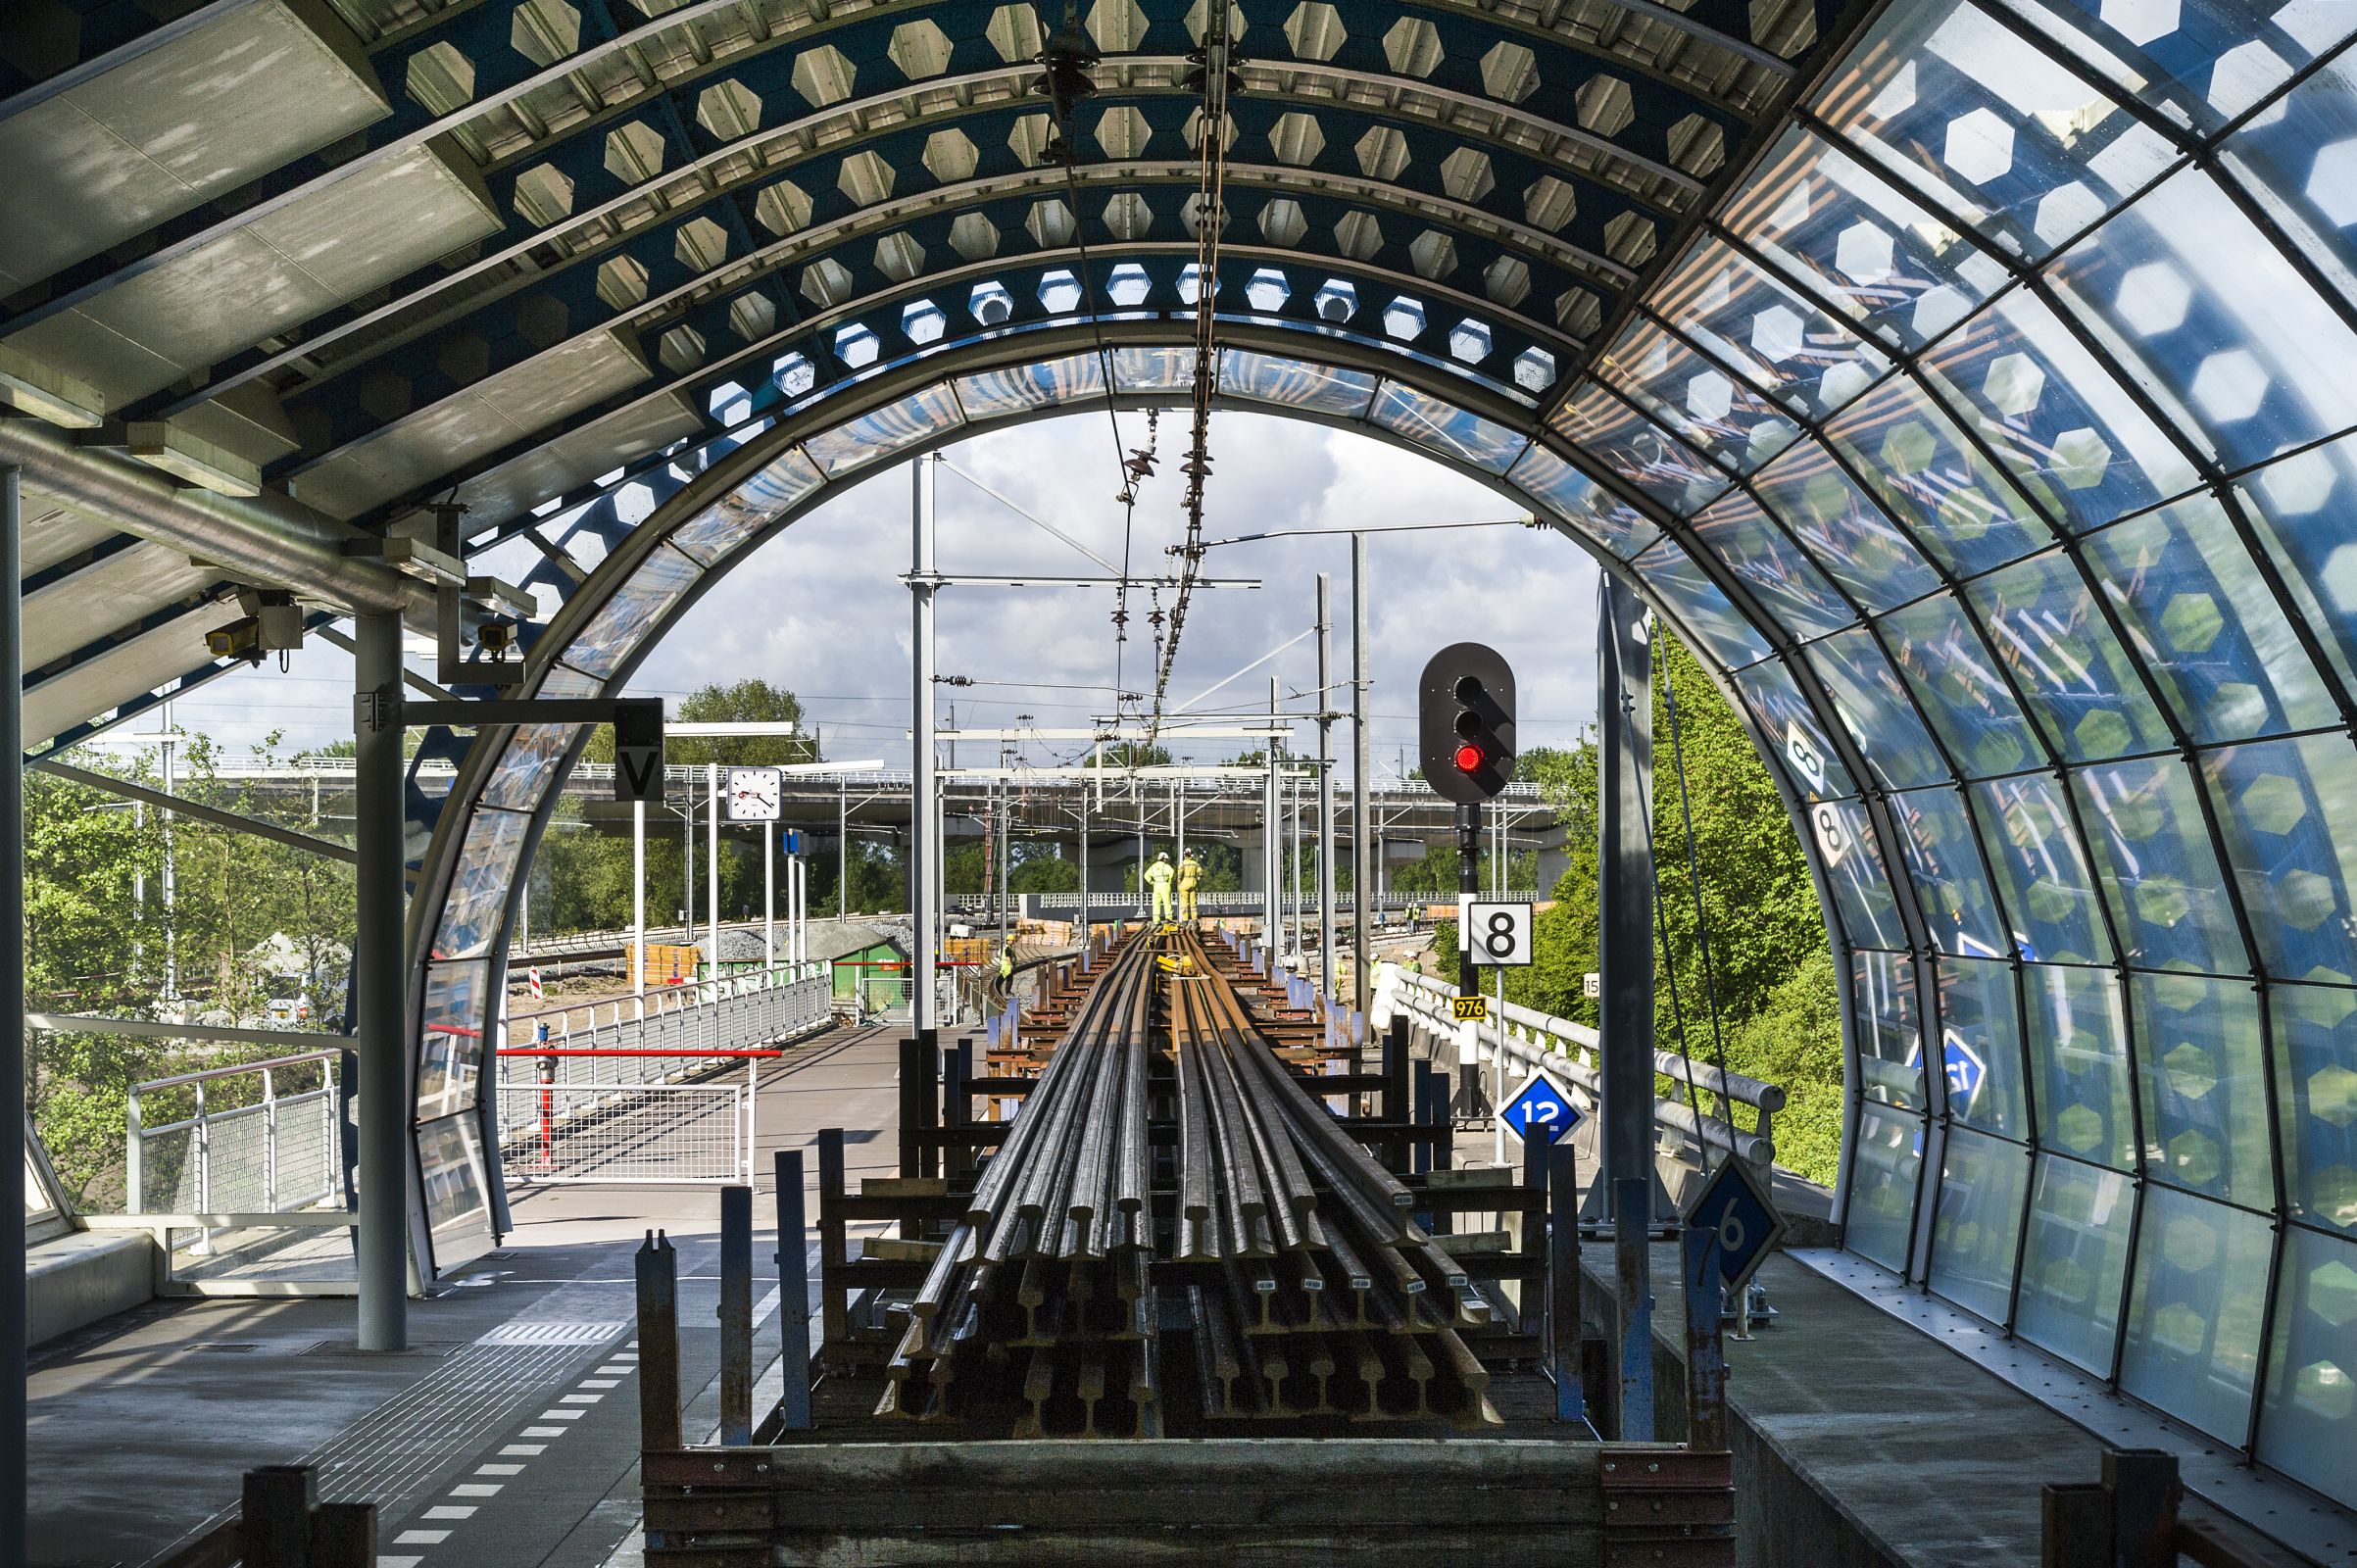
<point x="819" y="609"/>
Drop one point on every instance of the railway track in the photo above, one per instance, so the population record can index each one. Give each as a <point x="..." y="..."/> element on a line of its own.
<point x="1177" y="1235"/>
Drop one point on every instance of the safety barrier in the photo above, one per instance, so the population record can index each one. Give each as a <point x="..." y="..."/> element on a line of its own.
<point x="1506" y="1049"/>
<point x="620" y="1090"/>
<point x="1227" y="903"/>
<point x="635" y="1133"/>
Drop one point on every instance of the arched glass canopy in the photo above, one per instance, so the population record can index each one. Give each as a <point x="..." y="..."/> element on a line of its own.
<point x="1967" y="379"/>
<point x="1991" y="439"/>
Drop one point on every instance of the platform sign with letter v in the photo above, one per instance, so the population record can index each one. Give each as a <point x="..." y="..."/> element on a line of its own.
<point x="638" y="748"/>
<point x="1541" y="1110"/>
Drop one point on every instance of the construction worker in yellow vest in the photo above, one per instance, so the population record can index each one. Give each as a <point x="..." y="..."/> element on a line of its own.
<point x="1159" y="877"/>
<point x="1190" y="877"/>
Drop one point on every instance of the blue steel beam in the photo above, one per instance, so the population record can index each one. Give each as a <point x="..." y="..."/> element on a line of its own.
<point x="763" y="377"/>
<point x="513" y="329"/>
<point x="524" y="263"/>
<point x="484" y="40"/>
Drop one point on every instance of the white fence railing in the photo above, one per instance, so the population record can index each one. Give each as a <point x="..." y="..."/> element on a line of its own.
<point x="736" y="1010"/>
<point x="590" y="1090"/>
<point x="262" y="1139"/>
<point x="1226" y="903"/>
<point x="1508" y="1049"/>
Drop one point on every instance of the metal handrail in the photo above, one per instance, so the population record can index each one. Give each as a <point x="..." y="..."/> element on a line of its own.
<point x="684" y="996"/>
<point x="1242" y="901"/>
<point x="228" y="1072"/>
<point x="1567" y="1050"/>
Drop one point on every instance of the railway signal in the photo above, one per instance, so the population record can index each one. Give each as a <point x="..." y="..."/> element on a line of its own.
<point x="1465" y="722"/>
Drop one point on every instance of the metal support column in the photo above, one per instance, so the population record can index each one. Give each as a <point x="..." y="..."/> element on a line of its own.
<point x="1361" y="940"/>
<point x="1469" y="884"/>
<point x="769" y="897"/>
<point x="1625" y="960"/>
<point x="380" y="972"/>
<point x="1325" y="786"/>
<point x="712" y="860"/>
<point x="1293" y="813"/>
<point x="638" y="896"/>
<point x="1272" y="841"/>
<point x="924" y="870"/>
<point x="13" y="1310"/>
<point x="1088" y="926"/>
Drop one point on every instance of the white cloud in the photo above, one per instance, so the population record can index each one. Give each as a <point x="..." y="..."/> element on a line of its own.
<point x="820" y="609"/>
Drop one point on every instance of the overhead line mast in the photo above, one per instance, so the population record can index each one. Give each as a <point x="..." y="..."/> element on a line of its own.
<point x="1213" y="71"/>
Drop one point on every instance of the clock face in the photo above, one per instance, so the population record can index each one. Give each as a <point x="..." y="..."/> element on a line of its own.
<point x="753" y="794"/>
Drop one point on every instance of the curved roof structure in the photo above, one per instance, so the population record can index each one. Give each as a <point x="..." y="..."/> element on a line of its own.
<point x="1967" y="380"/>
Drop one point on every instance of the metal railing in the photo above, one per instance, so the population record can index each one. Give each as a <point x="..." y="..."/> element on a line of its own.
<point x="1230" y="903"/>
<point x="623" y="1090"/>
<point x="1523" y="1040"/>
<point x="740" y="1009"/>
<point x="560" y="944"/>
<point x="245" y="1144"/>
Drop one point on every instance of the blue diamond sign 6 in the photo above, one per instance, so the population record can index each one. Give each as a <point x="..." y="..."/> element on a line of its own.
<point x="1740" y="1220"/>
<point x="1541" y="1110"/>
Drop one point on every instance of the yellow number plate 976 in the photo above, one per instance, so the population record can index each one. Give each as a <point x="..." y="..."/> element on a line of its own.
<point x="1471" y="1010"/>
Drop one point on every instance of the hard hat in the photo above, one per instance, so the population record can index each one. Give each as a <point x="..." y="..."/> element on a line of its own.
<point x="1161" y="855"/>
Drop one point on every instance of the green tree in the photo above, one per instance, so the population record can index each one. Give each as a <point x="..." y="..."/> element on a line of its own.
<point x="580" y="879"/>
<point x="1129" y="754"/>
<point x="251" y="919"/>
<point x="1040" y="868"/>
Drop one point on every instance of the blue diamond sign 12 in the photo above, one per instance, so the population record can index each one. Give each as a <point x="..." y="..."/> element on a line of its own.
<point x="1541" y="1110"/>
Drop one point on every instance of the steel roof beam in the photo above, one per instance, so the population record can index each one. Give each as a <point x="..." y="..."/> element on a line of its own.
<point x="749" y="367"/>
<point x="267" y="539"/>
<point x="705" y="299"/>
<point x="406" y="130"/>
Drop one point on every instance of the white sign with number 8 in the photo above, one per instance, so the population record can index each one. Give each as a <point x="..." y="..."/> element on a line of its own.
<point x="1499" y="934"/>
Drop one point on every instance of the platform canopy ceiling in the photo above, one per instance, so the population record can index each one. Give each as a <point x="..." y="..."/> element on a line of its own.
<point x="1968" y="381"/>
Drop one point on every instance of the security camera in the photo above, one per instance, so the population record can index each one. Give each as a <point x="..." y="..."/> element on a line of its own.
<point x="240" y="639"/>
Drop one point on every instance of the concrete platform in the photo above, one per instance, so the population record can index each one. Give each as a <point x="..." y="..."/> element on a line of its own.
<point x="507" y="1435"/>
<point x="1863" y="1441"/>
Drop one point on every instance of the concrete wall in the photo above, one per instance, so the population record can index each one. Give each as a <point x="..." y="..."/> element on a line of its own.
<point x="73" y="1280"/>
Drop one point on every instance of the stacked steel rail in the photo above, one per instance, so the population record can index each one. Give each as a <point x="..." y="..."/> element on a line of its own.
<point x="1325" y="1296"/>
<point x="1284" y="1253"/>
<point x="1041" y="1286"/>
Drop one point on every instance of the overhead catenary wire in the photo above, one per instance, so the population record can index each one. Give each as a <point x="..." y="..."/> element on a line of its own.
<point x="1693" y="869"/>
<point x="1669" y="964"/>
<point x="1066" y="61"/>
<point x="1215" y="62"/>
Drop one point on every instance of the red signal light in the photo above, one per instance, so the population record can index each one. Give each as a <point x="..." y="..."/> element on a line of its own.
<point x="1468" y="757"/>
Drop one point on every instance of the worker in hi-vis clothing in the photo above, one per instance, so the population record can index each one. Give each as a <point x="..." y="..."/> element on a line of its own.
<point x="1159" y="877"/>
<point x="1190" y="877"/>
